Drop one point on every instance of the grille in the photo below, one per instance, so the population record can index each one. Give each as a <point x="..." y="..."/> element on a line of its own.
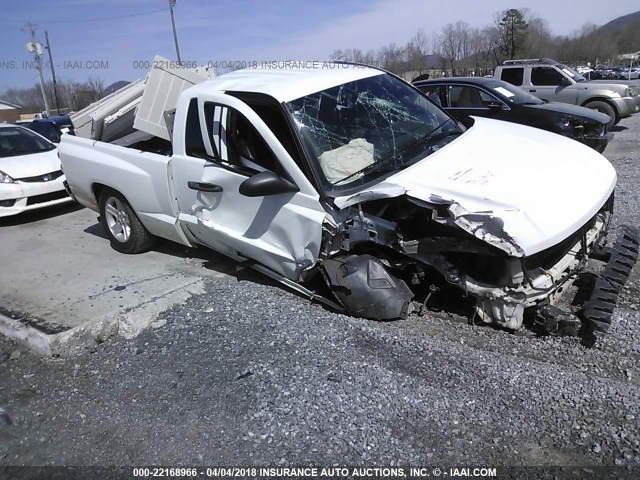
<point x="594" y="129"/>
<point x="47" y="197"/>
<point x="47" y="177"/>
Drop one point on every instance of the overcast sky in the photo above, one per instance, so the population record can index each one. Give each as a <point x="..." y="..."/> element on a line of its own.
<point x="86" y="41"/>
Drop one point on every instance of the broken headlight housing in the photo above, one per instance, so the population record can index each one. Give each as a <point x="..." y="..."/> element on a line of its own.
<point x="4" y="178"/>
<point x="571" y="126"/>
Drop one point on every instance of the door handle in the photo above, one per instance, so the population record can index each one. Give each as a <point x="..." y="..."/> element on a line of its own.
<point x="204" y="187"/>
<point x="532" y="90"/>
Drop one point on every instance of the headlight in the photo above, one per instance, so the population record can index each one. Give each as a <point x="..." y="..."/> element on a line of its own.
<point x="4" y="178"/>
<point x="565" y="122"/>
<point x="570" y="125"/>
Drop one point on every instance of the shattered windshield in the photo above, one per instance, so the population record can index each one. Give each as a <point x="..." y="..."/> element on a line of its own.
<point x="364" y="129"/>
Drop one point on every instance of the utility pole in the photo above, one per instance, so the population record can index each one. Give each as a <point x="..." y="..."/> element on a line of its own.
<point x="172" y="3"/>
<point x="36" y="48"/>
<point x="53" y="72"/>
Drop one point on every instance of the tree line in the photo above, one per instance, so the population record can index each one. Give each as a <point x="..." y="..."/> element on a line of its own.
<point x="459" y="49"/>
<point x="71" y="95"/>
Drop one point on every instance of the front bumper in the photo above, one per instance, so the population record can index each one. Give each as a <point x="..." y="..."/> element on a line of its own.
<point x="69" y="192"/>
<point x="21" y="197"/>
<point x="625" y="106"/>
<point x="633" y="104"/>
<point x="598" y="142"/>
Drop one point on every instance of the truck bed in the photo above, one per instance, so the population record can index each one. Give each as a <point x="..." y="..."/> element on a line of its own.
<point x="90" y="166"/>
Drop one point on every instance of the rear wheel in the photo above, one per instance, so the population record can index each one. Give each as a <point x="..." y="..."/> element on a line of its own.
<point x="604" y="107"/>
<point x="125" y="231"/>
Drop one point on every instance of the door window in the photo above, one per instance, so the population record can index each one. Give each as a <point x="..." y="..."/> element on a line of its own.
<point x="193" y="143"/>
<point x="545" y="76"/>
<point x="514" y="76"/>
<point x="463" y="96"/>
<point x="237" y="143"/>
<point x="437" y="93"/>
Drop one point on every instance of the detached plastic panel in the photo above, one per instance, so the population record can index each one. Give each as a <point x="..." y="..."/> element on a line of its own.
<point x="163" y="87"/>
<point x="90" y="121"/>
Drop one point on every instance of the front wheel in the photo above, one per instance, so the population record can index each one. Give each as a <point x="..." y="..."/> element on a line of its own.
<point x="604" y="107"/>
<point x="125" y="231"/>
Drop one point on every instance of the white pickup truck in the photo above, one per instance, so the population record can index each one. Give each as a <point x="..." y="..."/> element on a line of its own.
<point x="348" y="176"/>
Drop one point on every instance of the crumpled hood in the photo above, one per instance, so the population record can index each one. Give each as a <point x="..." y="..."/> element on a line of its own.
<point x="531" y="187"/>
<point x="30" y="165"/>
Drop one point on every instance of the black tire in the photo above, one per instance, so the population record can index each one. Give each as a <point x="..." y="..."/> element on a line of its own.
<point x="125" y="231"/>
<point x="604" y="107"/>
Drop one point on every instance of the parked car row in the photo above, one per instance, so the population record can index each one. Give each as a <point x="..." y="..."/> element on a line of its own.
<point x="465" y="98"/>
<point x="611" y="73"/>
<point x="552" y="81"/>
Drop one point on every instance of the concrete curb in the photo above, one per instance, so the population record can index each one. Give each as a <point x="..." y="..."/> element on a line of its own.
<point x="83" y="338"/>
<point x="65" y="344"/>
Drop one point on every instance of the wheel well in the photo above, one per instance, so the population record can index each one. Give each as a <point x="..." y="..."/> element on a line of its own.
<point x="98" y="188"/>
<point x="604" y="100"/>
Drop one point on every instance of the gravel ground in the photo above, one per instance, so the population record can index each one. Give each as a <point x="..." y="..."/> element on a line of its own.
<point x="249" y="373"/>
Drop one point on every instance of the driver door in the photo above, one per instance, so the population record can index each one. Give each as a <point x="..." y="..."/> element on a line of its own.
<point x="546" y="83"/>
<point x="226" y="143"/>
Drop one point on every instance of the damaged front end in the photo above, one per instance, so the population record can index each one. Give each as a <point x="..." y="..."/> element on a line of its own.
<point x="384" y="253"/>
<point x="503" y="215"/>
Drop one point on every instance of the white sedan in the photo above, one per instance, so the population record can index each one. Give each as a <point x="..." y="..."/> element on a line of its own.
<point x="30" y="173"/>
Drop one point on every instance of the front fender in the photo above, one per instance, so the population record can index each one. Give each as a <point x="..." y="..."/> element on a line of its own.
<point x="618" y="103"/>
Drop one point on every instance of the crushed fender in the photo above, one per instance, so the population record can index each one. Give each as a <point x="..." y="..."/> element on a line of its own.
<point x="366" y="289"/>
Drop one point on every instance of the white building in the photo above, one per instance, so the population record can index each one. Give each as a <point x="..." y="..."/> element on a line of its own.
<point x="9" y="112"/>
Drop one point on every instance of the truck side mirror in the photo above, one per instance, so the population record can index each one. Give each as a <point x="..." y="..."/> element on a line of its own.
<point x="264" y="184"/>
<point x="565" y="82"/>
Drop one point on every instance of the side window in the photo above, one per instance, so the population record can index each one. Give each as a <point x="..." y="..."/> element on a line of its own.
<point x="545" y="76"/>
<point x="486" y="98"/>
<point x="465" y="97"/>
<point x="273" y="115"/>
<point x="514" y="76"/>
<point x="437" y="93"/>
<point x="274" y="119"/>
<point x="193" y="143"/>
<point x="237" y="142"/>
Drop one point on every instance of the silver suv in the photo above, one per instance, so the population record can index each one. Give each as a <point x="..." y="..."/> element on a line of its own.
<point x="553" y="81"/>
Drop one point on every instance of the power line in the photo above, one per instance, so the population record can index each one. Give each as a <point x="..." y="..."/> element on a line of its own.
<point x="90" y="19"/>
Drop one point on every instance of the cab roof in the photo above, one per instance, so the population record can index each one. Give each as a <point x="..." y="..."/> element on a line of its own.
<point x="286" y="84"/>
